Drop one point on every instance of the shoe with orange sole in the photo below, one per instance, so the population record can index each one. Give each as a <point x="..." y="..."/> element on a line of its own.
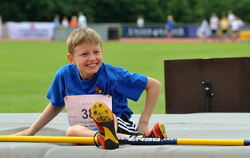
<point x="104" y="120"/>
<point x="158" y="131"/>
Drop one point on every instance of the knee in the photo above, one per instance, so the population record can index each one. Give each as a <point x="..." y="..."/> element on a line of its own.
<point x="74" y="130"/>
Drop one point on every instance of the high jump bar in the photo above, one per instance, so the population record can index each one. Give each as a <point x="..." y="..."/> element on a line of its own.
<point x="132" y="141"/>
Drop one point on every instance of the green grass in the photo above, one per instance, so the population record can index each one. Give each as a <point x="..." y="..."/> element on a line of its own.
<point x="27" y="68"/>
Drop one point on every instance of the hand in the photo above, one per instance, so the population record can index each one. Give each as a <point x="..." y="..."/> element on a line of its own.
<point x="143" y="127"/>
<point x="26" y="132"/>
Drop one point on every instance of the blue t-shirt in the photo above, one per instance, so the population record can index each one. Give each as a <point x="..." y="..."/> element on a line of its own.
<point x="115" y="81"/>
<point x="170" y="25"/>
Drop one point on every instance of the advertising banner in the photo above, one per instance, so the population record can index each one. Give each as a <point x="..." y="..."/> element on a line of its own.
<point x="151" y="31"/>
<point x="30" y="30"/>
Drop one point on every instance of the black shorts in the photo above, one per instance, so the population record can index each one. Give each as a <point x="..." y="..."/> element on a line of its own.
<point x="125" y="126"/>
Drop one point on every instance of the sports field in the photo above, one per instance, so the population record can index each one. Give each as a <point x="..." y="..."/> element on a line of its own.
<point x="27" y="68"/>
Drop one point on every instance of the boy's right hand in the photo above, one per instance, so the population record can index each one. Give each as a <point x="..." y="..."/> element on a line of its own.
<point x="143" y="127"/>
<point x="26" y="132"/>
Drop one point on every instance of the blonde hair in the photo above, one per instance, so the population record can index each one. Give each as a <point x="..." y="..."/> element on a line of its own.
<point x="82" y="35"/>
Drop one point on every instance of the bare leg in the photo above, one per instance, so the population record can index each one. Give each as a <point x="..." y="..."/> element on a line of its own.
<point x="80" y="131"/>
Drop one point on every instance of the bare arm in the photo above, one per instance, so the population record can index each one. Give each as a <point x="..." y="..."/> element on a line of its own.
<point x="46" y="116"/>
<point x="152" y="94"/>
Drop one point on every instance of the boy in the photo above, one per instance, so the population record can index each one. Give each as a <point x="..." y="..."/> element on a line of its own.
<point x="87" y="74"/>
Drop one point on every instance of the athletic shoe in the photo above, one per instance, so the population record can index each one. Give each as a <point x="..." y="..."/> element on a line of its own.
<point x="104" y="120"/>
<point x="158" y="131"/>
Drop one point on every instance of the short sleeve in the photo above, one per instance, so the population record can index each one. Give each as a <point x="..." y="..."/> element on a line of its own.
<point x="56" y="92"/>
<point x="130" y="85"/>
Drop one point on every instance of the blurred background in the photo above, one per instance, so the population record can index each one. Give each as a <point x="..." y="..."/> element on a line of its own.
<point x="138" y="35"/>
<point x="122" y="18"/>
<point x="122" y="11"/>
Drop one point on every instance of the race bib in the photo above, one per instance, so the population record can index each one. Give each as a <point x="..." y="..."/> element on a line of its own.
<point x="78" y="108"/>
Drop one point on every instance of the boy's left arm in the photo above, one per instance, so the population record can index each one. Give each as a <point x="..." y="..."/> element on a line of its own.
<point x="152" y="93"/>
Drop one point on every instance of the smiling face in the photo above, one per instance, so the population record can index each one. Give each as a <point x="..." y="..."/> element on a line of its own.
<point x="87" y="57"/>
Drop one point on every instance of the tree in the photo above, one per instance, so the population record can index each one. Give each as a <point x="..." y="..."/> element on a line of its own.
<point x="124" y="11"/>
